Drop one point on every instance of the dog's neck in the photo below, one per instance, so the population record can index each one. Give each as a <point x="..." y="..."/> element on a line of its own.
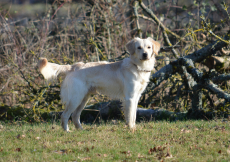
<point x="140" y="70"/>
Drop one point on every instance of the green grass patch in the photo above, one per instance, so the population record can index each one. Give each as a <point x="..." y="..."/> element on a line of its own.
<point x="153" y="141"/>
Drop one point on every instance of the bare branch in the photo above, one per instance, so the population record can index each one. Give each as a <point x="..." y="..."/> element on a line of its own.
<point x="198" y="56"/>
<point x="137" y="18"/>
<point x="220" y="78"/>
<point x="215" y="89"/>
<point x="154" y="17"/>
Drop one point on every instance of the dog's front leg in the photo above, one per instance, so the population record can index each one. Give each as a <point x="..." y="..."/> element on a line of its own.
<point x="134" y="115"/>
<point x="130" y="103"/>
<point x="130" y="111"/>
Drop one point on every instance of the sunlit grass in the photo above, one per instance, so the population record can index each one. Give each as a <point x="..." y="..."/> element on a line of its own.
<point x="161" y="140"/>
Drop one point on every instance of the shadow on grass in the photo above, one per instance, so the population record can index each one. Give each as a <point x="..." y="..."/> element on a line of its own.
<point x="107" y="111"/>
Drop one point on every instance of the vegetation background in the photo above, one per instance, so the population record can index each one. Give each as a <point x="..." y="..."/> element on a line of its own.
<point x="94" y="30"/>
<point x="190" y="79"/>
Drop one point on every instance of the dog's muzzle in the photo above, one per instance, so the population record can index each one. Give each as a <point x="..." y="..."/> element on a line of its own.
<point x="144" y="56"/>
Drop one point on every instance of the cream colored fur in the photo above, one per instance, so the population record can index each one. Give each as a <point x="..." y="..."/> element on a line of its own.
<point x="124" y="80"/>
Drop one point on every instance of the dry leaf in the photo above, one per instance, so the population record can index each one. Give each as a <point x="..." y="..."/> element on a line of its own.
<point x="168" y="155"/>
<point x="228" y="151"/>
<point x="114" y="122"/>
<point x="105" y="155"/>
<point x="58" y="152"/>
<point x="38" y="138"/>
<point x="85" y="158"/>
<point x="185" y="131"/>
<point x="140" y="156"/>
<point x="160" y="148"/>
<point x="62" y="151"/>
<point x="128" y="153"/>
<point x="18" y="149"/>
<point x="81" y="142"/>
<point x="219" y="151"/>
<point x="151" y="150"/>
<point x="87" y="149"/>
<point x="18" y="136"/>
<point x="1" y="149"/>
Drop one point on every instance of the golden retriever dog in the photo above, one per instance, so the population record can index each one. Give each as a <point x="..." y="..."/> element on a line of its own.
<point x="124" y="80"/>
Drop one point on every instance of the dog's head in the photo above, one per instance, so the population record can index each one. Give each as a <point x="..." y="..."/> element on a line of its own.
<point x="143" y="49"/>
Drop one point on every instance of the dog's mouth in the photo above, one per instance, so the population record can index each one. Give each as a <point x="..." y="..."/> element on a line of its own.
<point x="144" y="59"/>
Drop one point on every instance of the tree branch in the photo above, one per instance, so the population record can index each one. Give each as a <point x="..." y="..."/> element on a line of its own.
<point x="220" y="78"/>
<point x="167" y="71"/>
<point x="154" y="17"/>
<point x="137" y="18"/>
<point x="215" y="89"/>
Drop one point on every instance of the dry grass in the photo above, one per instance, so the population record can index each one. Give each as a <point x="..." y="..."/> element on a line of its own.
<point x="162" y="140"/>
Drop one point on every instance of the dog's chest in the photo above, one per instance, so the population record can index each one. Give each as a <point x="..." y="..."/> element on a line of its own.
<point x="142" y="80"/>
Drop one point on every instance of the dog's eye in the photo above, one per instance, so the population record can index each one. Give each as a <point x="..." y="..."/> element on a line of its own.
<point x="149" y="47"/>
<point x="139" y="47"/>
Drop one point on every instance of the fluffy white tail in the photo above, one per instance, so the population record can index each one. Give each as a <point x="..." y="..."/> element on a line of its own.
<point x="51" y="70"/>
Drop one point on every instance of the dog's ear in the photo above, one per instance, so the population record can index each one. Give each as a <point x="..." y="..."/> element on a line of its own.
<point x="130" y="46"/>
<point x="156" y="45"/>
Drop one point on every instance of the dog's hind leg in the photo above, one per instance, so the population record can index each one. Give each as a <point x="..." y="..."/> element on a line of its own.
<point x="76" y="114"/>
<point x="66" y="114"/>
<point x="73" y="93"/>
<point x="73" y="104"/>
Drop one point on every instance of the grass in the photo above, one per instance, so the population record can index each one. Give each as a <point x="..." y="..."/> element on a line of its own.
<point x="153" y="141"/>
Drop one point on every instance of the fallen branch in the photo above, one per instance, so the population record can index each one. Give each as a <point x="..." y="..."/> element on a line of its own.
<point x="218" y="63"/>
<point x="215" y="89"/>
<point x="167" y="71"/>
<point x="113" y="110"/>
<point x="220" y="78"/>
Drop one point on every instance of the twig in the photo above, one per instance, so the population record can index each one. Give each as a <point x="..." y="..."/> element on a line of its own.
<point x="169" y="43"/>
<point x="168" y="48"/>
<point x="44" y="39"/>
<point x="137" y="18"/>
<point x="206" y="28"/>
<point x="191" y="68"/>
<point x="154" y="17"/>
<point x="8" y="80"/>
<point x="220" y="78"/>
<point x="215" y="89"/>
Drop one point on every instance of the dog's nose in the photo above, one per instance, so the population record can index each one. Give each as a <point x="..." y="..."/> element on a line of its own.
<point x="145" y="55"/>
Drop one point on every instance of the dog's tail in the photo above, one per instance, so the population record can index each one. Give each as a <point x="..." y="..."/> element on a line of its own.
<point x="51" y="70"/>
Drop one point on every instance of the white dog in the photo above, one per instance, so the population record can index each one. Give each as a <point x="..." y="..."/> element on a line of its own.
<point x="124" y="80"/>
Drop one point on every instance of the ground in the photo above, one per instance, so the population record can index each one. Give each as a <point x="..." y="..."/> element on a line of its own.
<point x="113" y="141"/>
